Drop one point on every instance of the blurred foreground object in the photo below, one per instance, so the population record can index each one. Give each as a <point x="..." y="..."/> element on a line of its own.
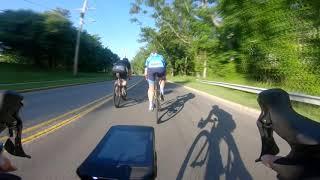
<point x="10" y="105"/>
<point x="301" y="133"/>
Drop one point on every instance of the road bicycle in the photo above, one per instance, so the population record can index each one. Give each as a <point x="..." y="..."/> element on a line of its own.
<point x="119" y="91"/>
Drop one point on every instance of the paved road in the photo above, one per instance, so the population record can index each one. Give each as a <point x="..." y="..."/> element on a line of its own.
<point x="198" y="139"/>
<point x="44" y="105"/>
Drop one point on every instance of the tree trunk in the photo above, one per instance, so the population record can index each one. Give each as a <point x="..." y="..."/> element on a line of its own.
<point x="185" y="65"/>
<point x="37" y="62"/>
<point x="54" y="63"/>
<point x="50" y="63"/>
<point x="204" y="75"/>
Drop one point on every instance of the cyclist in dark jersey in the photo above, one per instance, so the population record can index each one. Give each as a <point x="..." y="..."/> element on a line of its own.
<point x="123" y="67"/>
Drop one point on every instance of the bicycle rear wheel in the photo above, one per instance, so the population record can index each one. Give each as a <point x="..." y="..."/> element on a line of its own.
<point x="156" y="104"/>
<point x="156" y="101"/>
<point x="116" y="95"/>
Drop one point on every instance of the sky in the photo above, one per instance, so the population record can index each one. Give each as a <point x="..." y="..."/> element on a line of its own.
<point x="110" y="19"/>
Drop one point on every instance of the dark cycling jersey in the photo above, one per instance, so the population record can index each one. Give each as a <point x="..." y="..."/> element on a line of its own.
<point x="122" y="67"/>
<point x="125" y="62"/>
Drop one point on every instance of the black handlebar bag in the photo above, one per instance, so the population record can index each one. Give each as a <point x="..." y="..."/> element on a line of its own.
<point x="125" y="152"/>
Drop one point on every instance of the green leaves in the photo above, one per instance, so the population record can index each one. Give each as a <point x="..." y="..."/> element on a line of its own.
<point x="275" y="41"/>
<point x="48" y="40"/>
<point x="135" y="8"/>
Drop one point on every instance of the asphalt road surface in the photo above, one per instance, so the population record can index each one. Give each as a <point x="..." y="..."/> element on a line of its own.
<point x="44" y="105"/>
<point x="197" y="138"/>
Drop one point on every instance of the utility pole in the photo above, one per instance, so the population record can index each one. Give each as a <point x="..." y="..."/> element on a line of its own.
<point x="82" y="13"/>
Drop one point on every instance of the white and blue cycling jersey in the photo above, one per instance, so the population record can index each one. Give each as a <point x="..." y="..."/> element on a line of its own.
<point x="155" y="61"/>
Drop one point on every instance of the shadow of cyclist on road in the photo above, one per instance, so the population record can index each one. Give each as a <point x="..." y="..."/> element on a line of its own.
<point x="205" y="153"/>
<point x="173" y="107"/>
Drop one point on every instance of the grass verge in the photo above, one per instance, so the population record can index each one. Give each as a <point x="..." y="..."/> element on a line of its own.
<point x="298" y="85"/>
<point x="21" y="77"/>
<point x="243" y="98"/>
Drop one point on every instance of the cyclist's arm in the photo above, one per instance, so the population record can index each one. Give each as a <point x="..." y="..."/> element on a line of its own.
<point x="129" y="68"/>
<point x="164" y="62"/>
<point x="129" y="73"/>
<point x="146" y="72"/>
<point x="129" y="65"/>
<point x="146" y="67"/>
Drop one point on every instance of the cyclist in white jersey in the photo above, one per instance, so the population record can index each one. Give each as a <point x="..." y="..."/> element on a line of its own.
<point x="155" y="65"/>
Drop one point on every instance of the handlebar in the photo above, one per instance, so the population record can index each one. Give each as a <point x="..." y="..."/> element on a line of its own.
<point x="278" y="115"/>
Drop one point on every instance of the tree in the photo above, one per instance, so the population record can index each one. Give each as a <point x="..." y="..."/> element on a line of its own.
<point x="21" y="30"/>
<point x="47" y="40"/>
<point x="274" y="41"/>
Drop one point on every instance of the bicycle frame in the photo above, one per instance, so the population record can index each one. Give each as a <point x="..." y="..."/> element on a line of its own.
<point x="156" y="97"/>
<point x="119" y="80"/>
<point x="117" y="91"/>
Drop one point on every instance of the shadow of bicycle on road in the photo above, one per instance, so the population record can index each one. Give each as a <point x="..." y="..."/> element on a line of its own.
<point x="204" y="156"/>
<point x="172" y="107"/>
<point x="132" y="102"/>
<point x="135" y="101"/>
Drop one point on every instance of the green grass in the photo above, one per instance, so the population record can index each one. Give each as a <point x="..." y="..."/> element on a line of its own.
<point x="15" y="73"/>
<point x="309" y="86"/>
<point x="246" y="99"/>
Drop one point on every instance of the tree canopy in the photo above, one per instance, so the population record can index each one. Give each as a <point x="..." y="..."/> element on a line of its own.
<point x="274" y="41"/>
<point x="48" y="40"/>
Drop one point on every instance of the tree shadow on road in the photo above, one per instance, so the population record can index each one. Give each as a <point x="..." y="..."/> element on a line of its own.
<point x="173" y="107"/>
<point x="205" y="151"/>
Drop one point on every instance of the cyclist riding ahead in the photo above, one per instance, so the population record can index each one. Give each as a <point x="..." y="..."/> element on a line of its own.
<point x="155" y="66"/>
<point x="123" y="67"/>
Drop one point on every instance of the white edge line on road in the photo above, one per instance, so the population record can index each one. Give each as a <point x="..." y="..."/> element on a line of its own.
<point x="252" y="112"/>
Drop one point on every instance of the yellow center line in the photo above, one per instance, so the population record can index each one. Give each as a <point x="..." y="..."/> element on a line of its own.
<point x="69" y="120"/>
<point x="38" y="126"/>
<point x="61" y="116"/>
<point x="61" y="124"/>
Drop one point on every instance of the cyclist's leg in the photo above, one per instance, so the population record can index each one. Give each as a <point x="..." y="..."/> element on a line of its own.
<point x="116" y="83"/>
<point x="151" y="79"/>
<point x="162" y="82"/>
<point x="124" y="77"/>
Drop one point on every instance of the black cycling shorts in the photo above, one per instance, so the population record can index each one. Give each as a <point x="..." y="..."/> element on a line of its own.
<point x="152" y="72"/>
<point x="123" y="75"/>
